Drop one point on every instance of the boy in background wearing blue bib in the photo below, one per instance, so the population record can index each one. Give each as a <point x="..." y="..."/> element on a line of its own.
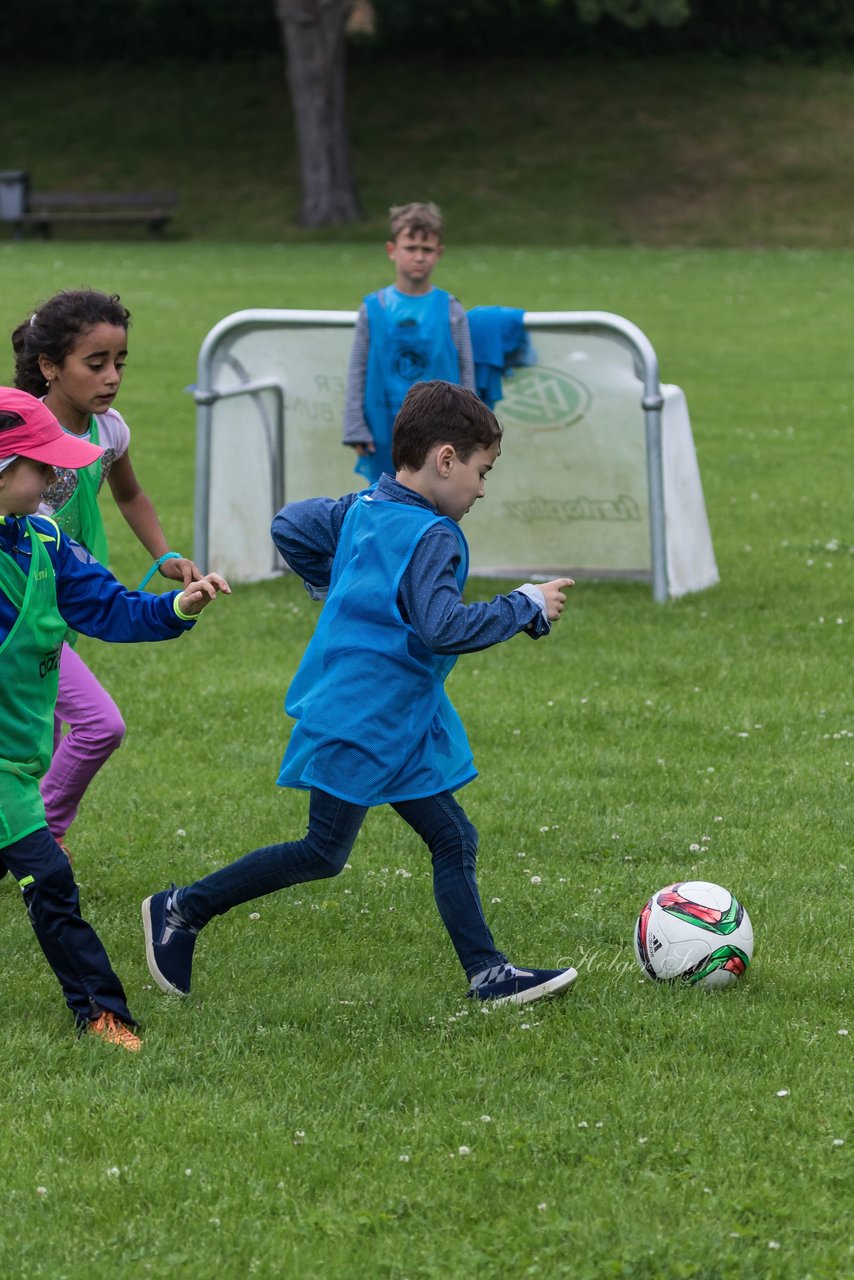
<point x="373" y="722"/>
<point x="408" y="332"/>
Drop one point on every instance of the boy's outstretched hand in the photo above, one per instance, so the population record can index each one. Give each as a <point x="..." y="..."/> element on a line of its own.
<point x="198" y="594"/>
<point x="554" y="596"/>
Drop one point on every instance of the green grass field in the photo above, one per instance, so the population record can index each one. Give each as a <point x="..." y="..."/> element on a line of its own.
<point x="642" y="151"/>
<point x="327" y="1104"/>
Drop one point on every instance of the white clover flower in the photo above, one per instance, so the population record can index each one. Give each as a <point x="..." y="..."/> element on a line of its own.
<point x="582" y="1124"/>
<point x="299" y="1137"/>
<point x="843" y="1031"/>
<point x="486" y="1119"/>
<point x="254" y="915"/>
<point x="542" y="1206"/>
<point x="465" y="1151"/>
<point x="180" y="832"/>
<point x="404" y="1159"/>
<point x="694" y="848"/>
<point x="839" y="1142"/>
<point x="41" y="1191"/>
<point x="113" y="1172"/>
<point x="536" y="880"/>
<point x="773" y="1244"/>
<point x="782" y="1093"/>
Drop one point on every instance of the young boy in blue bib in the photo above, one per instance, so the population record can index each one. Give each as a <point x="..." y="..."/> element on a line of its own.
<point x="47" y="584"/>
<point x="408" y="332"/>
<point x="373" y="723"/>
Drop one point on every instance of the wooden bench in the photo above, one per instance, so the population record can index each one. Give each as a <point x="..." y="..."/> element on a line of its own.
<point x="45" y="209"/>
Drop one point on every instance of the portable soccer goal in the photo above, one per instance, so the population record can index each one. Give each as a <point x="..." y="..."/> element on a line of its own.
<point x="598" y="474"/>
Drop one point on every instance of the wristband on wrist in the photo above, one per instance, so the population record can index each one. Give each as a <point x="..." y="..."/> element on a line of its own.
<point x="168" y="555"/>
<point x="179" y="613"/>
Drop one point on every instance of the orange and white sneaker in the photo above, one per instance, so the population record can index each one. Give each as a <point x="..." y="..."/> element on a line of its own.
<point x="108" y="1027"/>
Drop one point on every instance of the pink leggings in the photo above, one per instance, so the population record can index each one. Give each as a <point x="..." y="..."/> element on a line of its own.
<point x="95" y="729"/>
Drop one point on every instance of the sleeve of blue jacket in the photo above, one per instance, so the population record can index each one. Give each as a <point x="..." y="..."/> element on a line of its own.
<point x="95" y="603"/>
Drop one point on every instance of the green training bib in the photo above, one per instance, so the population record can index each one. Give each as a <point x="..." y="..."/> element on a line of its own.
<point x="29" y="677"/>
<point x="80" y="517"/>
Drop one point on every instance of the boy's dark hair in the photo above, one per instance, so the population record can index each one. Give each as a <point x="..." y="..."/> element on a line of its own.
<point x="55" y="327"/>
<point x="441" y="413"/>
<point x="423" y="218"/>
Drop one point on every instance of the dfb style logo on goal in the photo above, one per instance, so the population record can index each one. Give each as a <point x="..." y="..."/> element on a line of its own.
<point x="543" y="399"/>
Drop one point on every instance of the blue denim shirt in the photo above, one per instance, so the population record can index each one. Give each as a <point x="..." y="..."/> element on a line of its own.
<point x="306" y="533"/>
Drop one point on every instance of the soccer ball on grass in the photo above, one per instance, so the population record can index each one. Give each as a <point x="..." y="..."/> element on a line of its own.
<point x="694" y="932"/>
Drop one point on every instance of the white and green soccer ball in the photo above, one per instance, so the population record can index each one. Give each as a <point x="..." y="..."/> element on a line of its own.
<point x="694" y="932"/>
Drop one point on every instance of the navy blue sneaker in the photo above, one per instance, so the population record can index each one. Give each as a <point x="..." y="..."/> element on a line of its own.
<point x="506" y="984"/>
<point x="168" y="944"/>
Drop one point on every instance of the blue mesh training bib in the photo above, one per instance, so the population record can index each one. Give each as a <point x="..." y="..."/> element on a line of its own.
<point x="373" y="722"/>
<point x="410" y="342"/>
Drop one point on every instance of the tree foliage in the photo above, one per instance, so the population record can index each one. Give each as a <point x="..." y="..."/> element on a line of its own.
<point x="636" y="13"/>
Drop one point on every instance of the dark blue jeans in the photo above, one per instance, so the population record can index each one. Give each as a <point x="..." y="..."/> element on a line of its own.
<point x="333" y="825"/>
<point x="72" y="947"/>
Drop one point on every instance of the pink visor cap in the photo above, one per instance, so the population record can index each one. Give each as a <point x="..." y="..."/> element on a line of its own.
<point x="39" y="436"/>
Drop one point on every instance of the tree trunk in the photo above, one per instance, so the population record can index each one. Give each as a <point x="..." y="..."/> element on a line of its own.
<point x="313" y="35"/>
